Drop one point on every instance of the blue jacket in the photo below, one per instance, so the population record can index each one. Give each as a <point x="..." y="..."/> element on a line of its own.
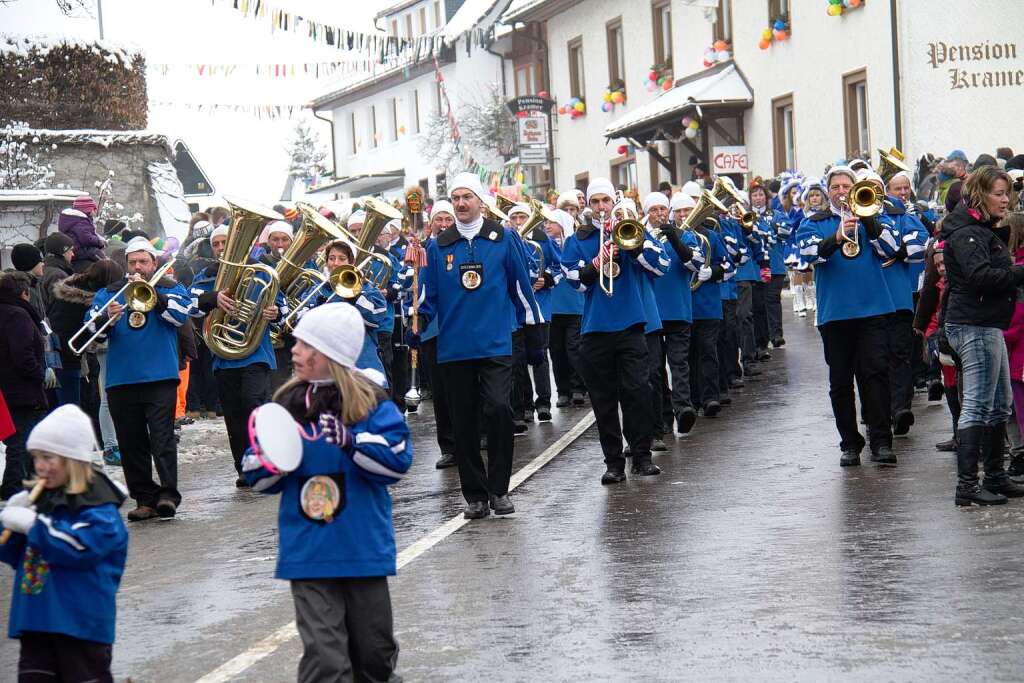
<point x="477" y="323"/>
<point x="774" y="230"/>
<point x="204" y="300"/>
<point x="625" y="308"/>
<point x="707" y="299"/>
<point x="653" y="323"/>
<point x="672" y="290"/>
<point x="358" y="537"/>
<point x="847" y="288"/>
<point x="912" y="238"/>
<point x="68" y="569"/>
<point x="148" y="353"/>
<point x="393" y="289"/>
<point x="739" y="253"/>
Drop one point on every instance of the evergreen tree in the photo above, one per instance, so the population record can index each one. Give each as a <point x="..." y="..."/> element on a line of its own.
<point x="307" y="157"/>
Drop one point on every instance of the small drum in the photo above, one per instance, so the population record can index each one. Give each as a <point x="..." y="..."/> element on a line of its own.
<point x="275" y="439"/>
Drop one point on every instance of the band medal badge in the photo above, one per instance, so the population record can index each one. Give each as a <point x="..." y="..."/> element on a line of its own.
<point x="472" y="275"/>
<point x="136" y="319"/>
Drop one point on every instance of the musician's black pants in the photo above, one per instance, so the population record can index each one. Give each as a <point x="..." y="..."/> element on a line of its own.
<point x="745" y="318"/>
<point x="704" y="360"/>
<point x="900" y="333"/>
<point x="48" y="657"/>
<point x="616" y="371"/>
<point x="480" y="389"/>
<point x="241" y="390"/>
<point x="523" y="387"/>
<point x="759" y="308"/>
<point x="857" y="349"/>
<point x="676" y="350"/>
<point x="398" y="372"/>
<point x="773" y="305"/>
<point x="143" y="416"/>
<point x="283" y="359"/>
<point x="655" y="366"/>
<point x="565" y="353"/>
<point x="202" y="387"/>
<point x="442" y="408"/>
<point x="728" y="347"/>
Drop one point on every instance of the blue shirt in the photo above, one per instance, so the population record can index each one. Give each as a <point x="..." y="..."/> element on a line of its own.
<point x="707" y="298"/>
<point x="672" y="290"/>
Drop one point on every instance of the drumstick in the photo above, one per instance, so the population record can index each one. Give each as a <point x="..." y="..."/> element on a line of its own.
<point x="33" y="496"/>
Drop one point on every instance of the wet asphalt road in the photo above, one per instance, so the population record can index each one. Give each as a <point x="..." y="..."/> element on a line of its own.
<point x="753" y="556"/>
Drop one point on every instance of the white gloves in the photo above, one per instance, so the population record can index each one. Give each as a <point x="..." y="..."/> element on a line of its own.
<point x="50" y="379"/>
<point x="704" y="274"/>
<point x="19" y="500"/>
<point x="18" y="519"/>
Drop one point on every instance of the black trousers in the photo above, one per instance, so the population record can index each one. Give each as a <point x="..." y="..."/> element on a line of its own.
<point x="745" y="318"/>
<point x="523" y="387"/>
<point x="704" y="360"/>
<point x="899" y="327"/>
<point x="474" y="387"/>
<point x="143" y="417"/>
<point x="655" y="366"/>
<point x="241" y="390"/>
<point x="616" y="370"/>
<point x="346" y="628"/>
<point x="564" y="344"/>
<point x="675" y="350"/>
<point x="19" y="466"/>
<point x="50" y="657"/>
<point x="442" y="408"/>
<point x="398" y="376"/>
<point x="283" y="358"/>
<point x="728" y="347"/>
<point x="773" y="305"/>
<point x="856" y="349"/>
<point x="202" y="387"/>
<point x="759" y="309"/>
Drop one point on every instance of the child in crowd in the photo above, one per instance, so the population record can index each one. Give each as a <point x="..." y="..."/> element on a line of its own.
<point x="337" y="540"/>
<point x="68" y="551"/>
<point x="78" y="224"/>
<point x="1014" y="337"/>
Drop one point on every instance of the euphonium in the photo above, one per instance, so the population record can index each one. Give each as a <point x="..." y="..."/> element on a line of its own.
<point x="378" y="214"/>
<point x="503" y="203"/>
<point x="707" y="206"/>
<point x="539" y="216"/>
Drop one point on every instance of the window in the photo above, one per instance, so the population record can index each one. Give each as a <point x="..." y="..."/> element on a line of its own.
<point x="662" y="13"/>
<point x="577" y="86"/>
<point x="783" y="131"/>
<point x="582" y="180"/>
<point x="373" y="126"/>
<point x="723" y="21"/>
<point x="423" y="20"/>
<point x="408" y="26"/>
<point x="616" y="51"/>
<point x="394" y="119"/>
<point x="624" y="173"/>
<point x="524" y="80"/>
<point x="352" y="131"/>
<point x="437" y="13"/>
<point x="415" y="118"/>
<point x="394" y="28"/>
<point x="855" y="114"/>
<point x="778" y="9"/>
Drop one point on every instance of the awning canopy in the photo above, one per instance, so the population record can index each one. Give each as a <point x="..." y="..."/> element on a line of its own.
<point x="361" y="184"/>
<point x="721" y="87"/>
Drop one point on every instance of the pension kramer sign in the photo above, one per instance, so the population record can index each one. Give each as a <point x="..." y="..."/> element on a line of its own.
<point x="962" y="59"/>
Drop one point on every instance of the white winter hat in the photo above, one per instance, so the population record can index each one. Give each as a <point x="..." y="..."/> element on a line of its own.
<point x="467" y="181"/>
<point x="567" y="198"/>
<point x="625" y="205"/>
<point x="140" y="244"/>
<point x="356" y="218"/>
<point x="565" y="220"/>
<point x="218" y="231"/>
<point x="335" y="330"/>
<point x="692" y="188"/>
<point x="868" y="174"/>
<point x="443" y="206"/>
<point x="655" y="199"/>
<point x="681" y="201"/>
<point x="839" y="169"/>
<point x="66" y="432"/>
<point x="520" y="208"/>
<point x="277" y="226"/>
<point x="811" y="183"/>
<point x="901" y="174"/>
<point x="600" y="186"/>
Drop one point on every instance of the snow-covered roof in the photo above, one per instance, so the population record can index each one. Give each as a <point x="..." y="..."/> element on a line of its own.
<point x="473" y="14"/>
<point x="520" y="7"/>
<point x="33" y="196"/>
<point x="88" y="136"/>
<point x="24" y="46"/>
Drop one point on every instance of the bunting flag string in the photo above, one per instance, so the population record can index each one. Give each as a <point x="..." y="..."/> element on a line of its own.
<point x="298" y="70"/>
<point x="269" y="112"/>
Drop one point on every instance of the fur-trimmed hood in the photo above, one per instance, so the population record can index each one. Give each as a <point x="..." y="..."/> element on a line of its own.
<point x="74" y="290"/>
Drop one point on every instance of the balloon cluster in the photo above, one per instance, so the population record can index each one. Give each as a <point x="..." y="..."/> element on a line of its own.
<point x="659" y="78"/>
<point x="690" y="127"/>
<point x="718" y="52"/>
<point x="612" y="97"/>
<point x="778" y="32"/>
<point x="623" y="150"/>
<point x="836" y="7"/>
<point x="575" y="108"/>
<point x="167" y="245"/>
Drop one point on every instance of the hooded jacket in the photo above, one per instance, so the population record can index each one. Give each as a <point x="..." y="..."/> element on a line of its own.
<point x="55" y="269"/>
<point x="22" y="363"/>
<point x="72" y="298"/>
<point x="82" y="231"/>
<point x="979" y="271"/>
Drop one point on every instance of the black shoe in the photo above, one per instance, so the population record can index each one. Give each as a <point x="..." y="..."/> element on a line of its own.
<point x="658" y="446"/>
<point x="445" y="461"/>
<point x="476" y="509"/>
<point x="751" y="371"/>
<point x="519" y="427"/>
<point x="849" y="459"/>
<point x="1002" y="485"/>
<point x="711" y="408"/>
<point x="975" y="495"/>
<point x="644" y="467"/>
<point x="578" y="398"/>
<point x="241" y="483"/>
<point x="901" y="423"/>
<point x="725" y="401"/>
<point x="764" y="354"/>
<point x="884" y="456"/>
<point x="1016" y="468"/>
<point x="543" y="415"/>
<point x="502" y="505"/>
<point x="935" y="391"/>
<point x="946" y="446"/>
<point x="426" y="395"/>
<point x="613" y="476"/>
<point x="778" y="342"/>
<point x="736" y="383"/>
<point x="410" y="408"/>
<point x="528" y="415"/>
<point x="687" y="417"/>
<point x="562" y="401"/>
<point x="166" y="508"/>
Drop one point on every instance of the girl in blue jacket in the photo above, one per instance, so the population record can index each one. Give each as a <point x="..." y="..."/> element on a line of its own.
<point x="337" y="541"/>
<point x="68" y="551"/>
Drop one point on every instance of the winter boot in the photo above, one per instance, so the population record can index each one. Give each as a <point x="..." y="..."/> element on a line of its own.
<point x="994" y="455"/>
<point x="643" y="466"/>
<point x="810" y="297"/>
<point x="1016" y="469"/>
<point x="968" y="451"/>
<point x="799" y="305"/>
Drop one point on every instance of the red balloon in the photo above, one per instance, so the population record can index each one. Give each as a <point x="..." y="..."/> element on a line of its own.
<point x="544" y="94"/>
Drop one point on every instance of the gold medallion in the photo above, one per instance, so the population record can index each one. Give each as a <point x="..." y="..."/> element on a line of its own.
<point x="470" y="279"/>
<point x="136" y="319"/>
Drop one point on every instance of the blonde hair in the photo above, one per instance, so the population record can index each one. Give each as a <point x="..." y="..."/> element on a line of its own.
<point x="358" y="394"/>
<point x="80" y="474"/>
<point x="1015" y="222"/>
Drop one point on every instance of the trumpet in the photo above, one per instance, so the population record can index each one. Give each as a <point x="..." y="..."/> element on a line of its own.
<point x="863" y="201"/>
<point x="345" y="282"/>
<point x="139" y="297"/>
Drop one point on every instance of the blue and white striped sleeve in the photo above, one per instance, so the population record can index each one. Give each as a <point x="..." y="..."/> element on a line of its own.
<point x="371" y="305"/>
<point x="914" y="237"/>
<point x="179" y="306"/>
<point x="888" y="241"/>
<point x="381" y="445"/>
<point x="696" y="245"/>
<point x="572" y="263"/>
<point x="652" y="257"/>
<point x="807" y="239"/>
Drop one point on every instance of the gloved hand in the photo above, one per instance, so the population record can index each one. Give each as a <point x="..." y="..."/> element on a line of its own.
<point x="704" y="274"/>
<point x="50" y="379"/>
<point x="766" y="275"/>
<point x="335" y="430"/>
<point x="412" y="339"/>
<point x="609" y="252"/>
<point x="19" y="500"/>
<point x="18" y="519"/>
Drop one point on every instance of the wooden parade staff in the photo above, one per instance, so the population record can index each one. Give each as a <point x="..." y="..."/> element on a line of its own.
<point x="33" y="496"/>
<point x="415" y="256"/>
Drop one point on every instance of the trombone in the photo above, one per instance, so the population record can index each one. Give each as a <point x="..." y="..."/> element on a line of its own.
<point x="139" y="296"/>
<point x="627" y="234"/>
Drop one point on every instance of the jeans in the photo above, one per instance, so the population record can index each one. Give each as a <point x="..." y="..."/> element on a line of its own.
<point x="19" y="463"/>
<point x="106" y="422"/>
<point x="987" y="395"/>
<point x="69" y="390"/>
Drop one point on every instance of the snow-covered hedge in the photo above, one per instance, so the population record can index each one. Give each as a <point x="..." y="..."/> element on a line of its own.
<point x="66" y="83"/>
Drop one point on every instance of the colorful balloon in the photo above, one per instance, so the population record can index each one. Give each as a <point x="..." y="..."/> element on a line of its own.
<point x="618" y="97"/>
<point x="686" y="120"/>
<point x="720" y="45"/>
<point x="766" y="34"/>
<point x="544" y="94"/>
<point x="694" y="124"/>
<point x="835" y="10"/>
<point x="779" y="25"/>
<point x="623" y="149"/>
<point x="690" y="133"/>
<point x="723" y="55"/>
<point x="780" y="36"/>
<point x="579" y="106"/>
<point x="764" y="44"/>
<point x="667" y="85"/>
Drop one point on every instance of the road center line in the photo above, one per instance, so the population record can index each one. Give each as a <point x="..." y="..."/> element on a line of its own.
<point x="264" y="648"/>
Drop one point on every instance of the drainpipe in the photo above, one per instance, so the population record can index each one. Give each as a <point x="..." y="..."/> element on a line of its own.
<point x="334" y="150"/>
<point x="896" y="97"/>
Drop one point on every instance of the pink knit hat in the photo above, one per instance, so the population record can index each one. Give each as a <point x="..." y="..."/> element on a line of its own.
<point x="86" y="205"/>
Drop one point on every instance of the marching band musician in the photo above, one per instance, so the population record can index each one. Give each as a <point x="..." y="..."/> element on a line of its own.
<point x="245" y="383"/>
<point x="388" y="333"/>
<point x="142" y="381"/>
<point x="729" y="370"/>
<point x="522" y="389"/>
<point x="614" y="352"/>
<point x="570" y="203"/>
<point x="854" y="300"/>
<point x="566" y="315"/>
<point x="274" y="240"/>
<point x="750" y="296"/>
<point x="477" y="285"/>
<point x="775" y="229"/>
<point x="653" y="328"/>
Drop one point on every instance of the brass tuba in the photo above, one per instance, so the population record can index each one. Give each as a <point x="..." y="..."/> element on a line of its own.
<point x="725" y="192"/>
<point x="378" y="214"/>
<point x="253" y="286"/>
<point x="707" y="207"/>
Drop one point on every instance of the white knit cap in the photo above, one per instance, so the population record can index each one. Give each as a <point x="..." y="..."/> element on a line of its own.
<point x="140" y="244"/>
<point x="520" y="208"/>
<point x="218" y="231"/>
<point x="278" y="226"/>
<point x="566" y="220"/>
<point x="626" y="204"/>
<point x="681" y="201"/>
<point x="902" y="174"/>
<point x="859" y="164"/>
<point x="600" y="186"/>
<point x="868" y="174"/>
<point x="692" y="188"/>
<point x="335" y="330"/>
<point x="467" y="181"/>
<point x="811" y="183"/>
<point x="66" y="432"/>
<point x="655" y="199"/>
<point x="789" y="184"/>
<point x="840" y="170"/>
<point x="443" y="206"/>
<point x="356" y="218"/>
<point x="567" y="198"/>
